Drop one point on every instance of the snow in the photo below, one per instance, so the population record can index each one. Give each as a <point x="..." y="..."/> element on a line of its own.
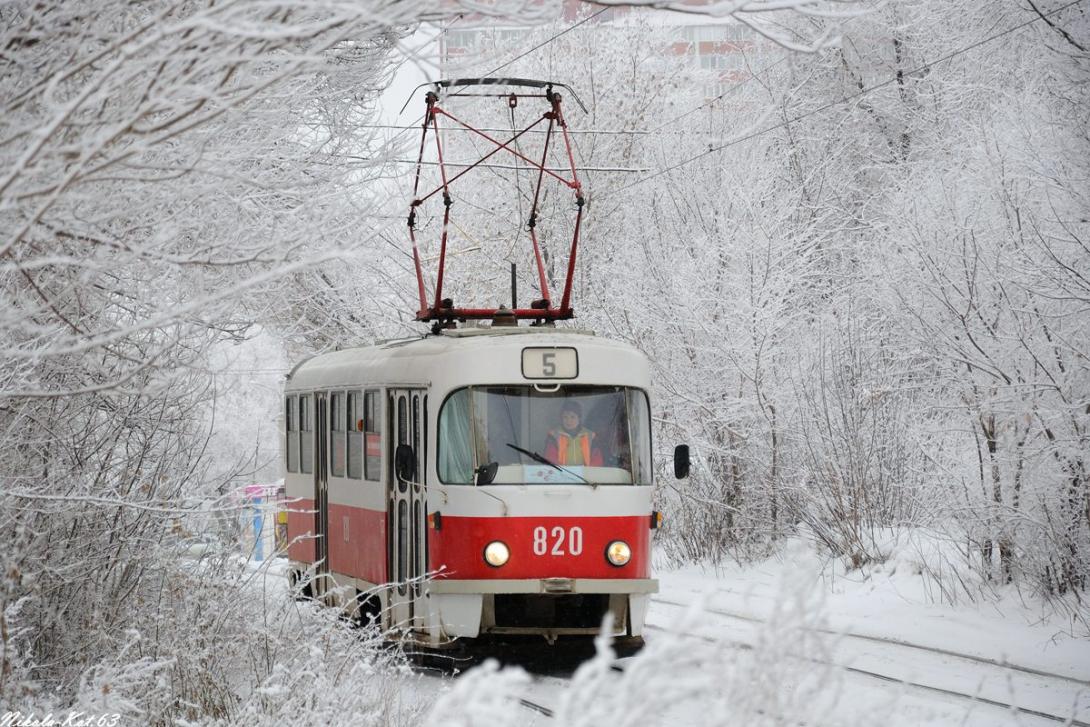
<point x="873" y="308"/>
<point x="897" y="606"/>
<point x="792" y="638"/>
<point x="796" y="638"/>
<point x="892" y="601"/>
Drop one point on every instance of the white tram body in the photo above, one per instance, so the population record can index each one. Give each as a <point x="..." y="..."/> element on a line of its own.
<point x="408" y="462"/>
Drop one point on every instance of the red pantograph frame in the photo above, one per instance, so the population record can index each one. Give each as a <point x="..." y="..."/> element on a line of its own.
<point x="542" y="310"/>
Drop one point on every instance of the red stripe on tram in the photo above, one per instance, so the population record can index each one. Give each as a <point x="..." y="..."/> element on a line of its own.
<point x="541" y="547"/>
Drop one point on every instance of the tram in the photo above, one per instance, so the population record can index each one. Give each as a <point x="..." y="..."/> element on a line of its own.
<point x="485" y="481"/>
<point x="488" y="479"/>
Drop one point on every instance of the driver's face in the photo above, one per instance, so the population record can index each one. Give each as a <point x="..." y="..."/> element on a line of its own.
<point x="570" y="420"/>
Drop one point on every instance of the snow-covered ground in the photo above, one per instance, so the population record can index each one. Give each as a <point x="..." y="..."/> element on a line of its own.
<point x="795" y="639"/>
<point x="897" y="645"/>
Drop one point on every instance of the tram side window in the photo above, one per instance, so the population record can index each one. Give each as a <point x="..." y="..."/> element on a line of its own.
<point x="416" y="428"/>
<point x="455" y="440"/>
<point x="355" y="436"/>
<point x="639" y="423"/>
<point x="291" y="434"/>
<point x="306" y="435"/>
<point x="373" y="433"/>
<point x="338" y="419"/>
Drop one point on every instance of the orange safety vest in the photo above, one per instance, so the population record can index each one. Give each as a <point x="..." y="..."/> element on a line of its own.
<point x="563" y="441"/>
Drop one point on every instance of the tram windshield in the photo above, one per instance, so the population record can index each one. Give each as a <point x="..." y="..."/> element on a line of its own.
<point x="596" y="435"/>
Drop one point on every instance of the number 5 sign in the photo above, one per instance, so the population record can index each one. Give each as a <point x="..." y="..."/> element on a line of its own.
<point x="550" y="363"/>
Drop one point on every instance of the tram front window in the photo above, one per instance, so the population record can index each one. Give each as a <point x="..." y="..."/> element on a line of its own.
<point x="574" y="435"/>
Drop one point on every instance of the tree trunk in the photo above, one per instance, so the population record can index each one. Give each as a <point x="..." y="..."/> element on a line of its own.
<point x="988" y="427"/>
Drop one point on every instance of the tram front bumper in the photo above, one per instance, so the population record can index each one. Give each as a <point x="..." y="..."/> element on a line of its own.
<point x="545" y="585"/>
<point x="467" y="607"/>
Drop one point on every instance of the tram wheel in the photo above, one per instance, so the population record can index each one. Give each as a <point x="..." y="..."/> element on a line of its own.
<point x="303" y="592"/>
<point x="368" y="610"/>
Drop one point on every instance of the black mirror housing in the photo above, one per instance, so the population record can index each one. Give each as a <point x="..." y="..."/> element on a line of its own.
<point x="681" y="461"/>
<point x="486" y="473"/>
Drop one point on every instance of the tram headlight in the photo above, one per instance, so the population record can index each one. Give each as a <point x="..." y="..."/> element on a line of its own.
<point x="496" y="554"/>
<point x="618" y="553"/>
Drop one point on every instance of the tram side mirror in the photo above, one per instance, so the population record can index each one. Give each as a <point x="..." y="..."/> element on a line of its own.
<point x="681" y="461"/>
<point x="404" y="462"/>
<point x="486" y="473"/>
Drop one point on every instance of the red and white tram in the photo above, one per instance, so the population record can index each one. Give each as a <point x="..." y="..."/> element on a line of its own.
<point x="483" y="481"/>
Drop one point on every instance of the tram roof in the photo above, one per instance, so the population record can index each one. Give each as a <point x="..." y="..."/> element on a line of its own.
<point x="411" y="361"/>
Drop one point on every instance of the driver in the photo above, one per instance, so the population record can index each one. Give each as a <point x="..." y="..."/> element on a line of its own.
<point x="572" y="444"/>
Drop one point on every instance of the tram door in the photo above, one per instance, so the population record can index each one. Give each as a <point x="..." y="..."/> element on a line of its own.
<point x="321" y="495"/>
<point x="406" y="545"/>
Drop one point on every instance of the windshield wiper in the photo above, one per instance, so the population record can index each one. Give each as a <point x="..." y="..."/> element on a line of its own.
<point x="544" y="460"/>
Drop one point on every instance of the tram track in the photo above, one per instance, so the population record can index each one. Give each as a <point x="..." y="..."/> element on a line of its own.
<point x="530" y="702"/>
<point x="975" y="698"/>
<point x="535" y="707"/>
<point x="1004" y="664"/>
<point x="896" y="680"/>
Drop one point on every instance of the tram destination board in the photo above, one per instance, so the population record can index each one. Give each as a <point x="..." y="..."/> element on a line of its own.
<point x="550" y="363"/>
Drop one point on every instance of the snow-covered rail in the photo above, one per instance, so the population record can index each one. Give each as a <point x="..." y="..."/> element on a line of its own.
<point x="870" y="673"/>
<point x="897" y="642"/>
<point x="945" y="674"/>
<point x="534" y="706"/>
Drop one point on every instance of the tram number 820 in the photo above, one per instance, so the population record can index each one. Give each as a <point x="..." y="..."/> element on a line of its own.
<point x="573" y="538"/>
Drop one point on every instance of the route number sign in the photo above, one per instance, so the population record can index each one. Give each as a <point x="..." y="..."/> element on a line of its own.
<point x="550" y="363"/>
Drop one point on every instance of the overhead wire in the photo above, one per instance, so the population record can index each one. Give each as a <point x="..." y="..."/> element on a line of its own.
<point x="832" y="104"/>
<point x="718" y="98"/>
<point x="520" y="56"/>
<point x="571" y="132"/>
<point x="545" y="42"/>
<point x="518" y="188"/>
